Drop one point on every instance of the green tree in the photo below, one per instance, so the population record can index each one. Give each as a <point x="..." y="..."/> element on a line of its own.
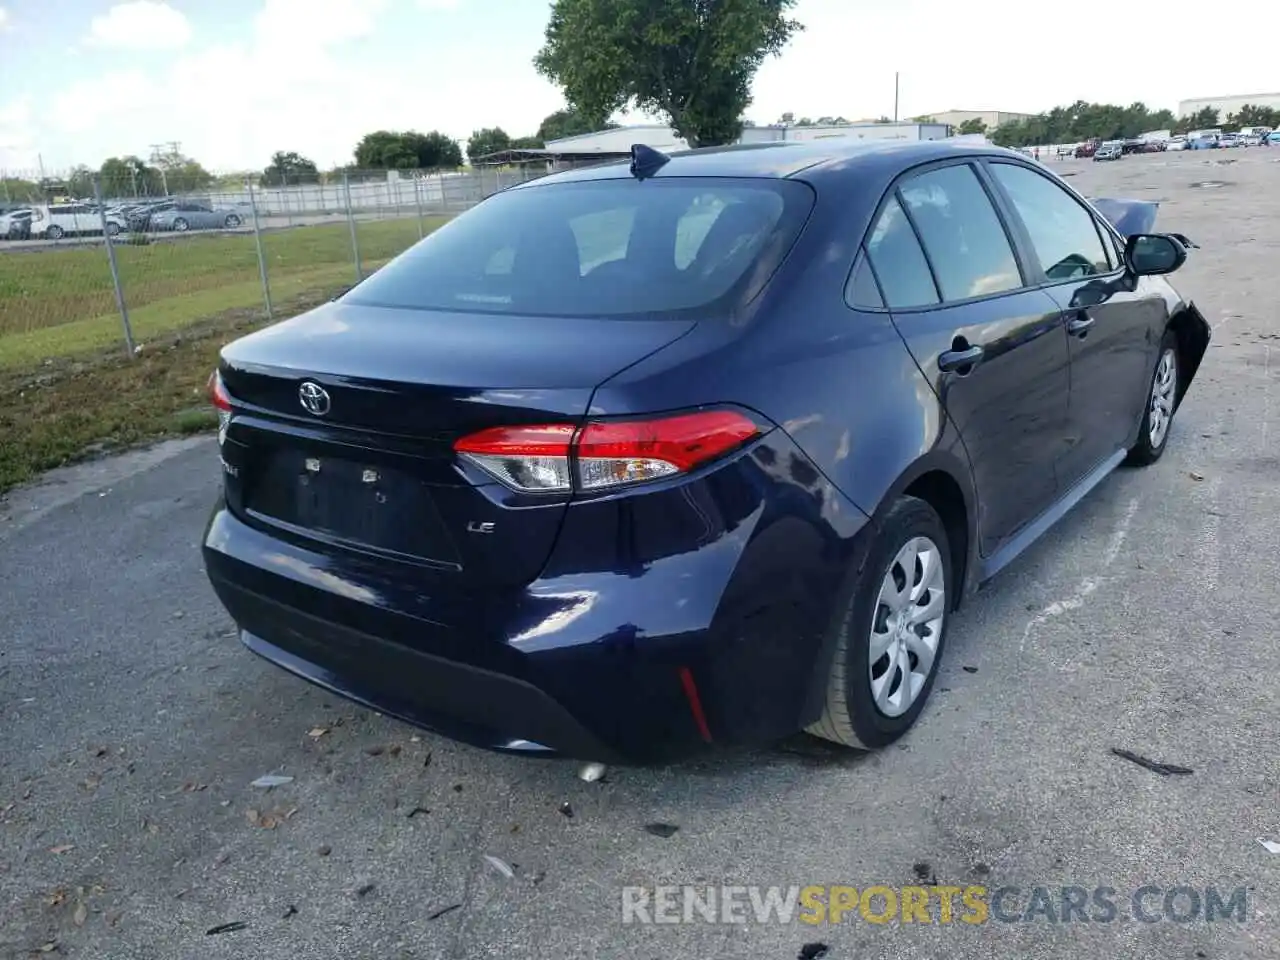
<point x="129" y="177"/>
<point x="970" y="126"/>
<point x="925" y="119"/>
<point x="15" y="190"/>
<point x="288" y="167"/>
<point x="80" y="182"/>
<point x="569" y="123"/>
<point x="1253" y="116"/>
<point x="527" y="143"/>
<point x="804" y="122"/>
<point x="883" y="119"/>
<point x="486" y="141"/>
<point x="410" y="150"/>
<point x="690" y="60"/>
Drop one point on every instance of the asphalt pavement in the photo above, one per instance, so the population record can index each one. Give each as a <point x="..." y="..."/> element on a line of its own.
<point x="132" y="724"/>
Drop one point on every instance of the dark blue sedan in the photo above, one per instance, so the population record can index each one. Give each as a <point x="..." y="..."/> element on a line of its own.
<point x="697" y="450"/>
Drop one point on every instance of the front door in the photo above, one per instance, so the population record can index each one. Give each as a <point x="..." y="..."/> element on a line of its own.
<point x="1113" y="320"/>
<point x="992" y="347"/>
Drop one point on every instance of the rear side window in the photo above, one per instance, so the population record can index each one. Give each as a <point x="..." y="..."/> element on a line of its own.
<point x="605" y="248"/>
<point x="899" y="262"/>
<point x="1064" y="234"/>
<point x="862" y="290"/>
<point x="965" y="240"/>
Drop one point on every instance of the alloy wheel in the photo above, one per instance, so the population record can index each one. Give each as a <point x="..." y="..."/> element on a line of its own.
<point x="1163" y="391"/>
<point x="906" y="626"/>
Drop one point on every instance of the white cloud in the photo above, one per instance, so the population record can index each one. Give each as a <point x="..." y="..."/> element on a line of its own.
<point x="17" y="144"/>
<point x="4" y="19"/>
<point x="293" y="26"/>
<point x="140" y="25"/>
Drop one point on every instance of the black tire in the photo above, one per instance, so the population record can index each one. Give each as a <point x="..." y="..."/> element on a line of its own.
<point x="113" y="229"/>
<point x="181" y="225"/>
<point x="851" y="716"/>
<point x="55" y="232"/>
<point x="1146" y="452"/>
<point x="232" y="221"/>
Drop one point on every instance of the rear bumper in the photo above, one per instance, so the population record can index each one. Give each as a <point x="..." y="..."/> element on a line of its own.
<point x="464" y="702"/>
<point x="649" y="662"/>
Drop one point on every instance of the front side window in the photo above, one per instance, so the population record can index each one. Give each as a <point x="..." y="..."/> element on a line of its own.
<point x="1064" y="234"/>
<point x="961" y="232"/>
<point x="604" y="248"/>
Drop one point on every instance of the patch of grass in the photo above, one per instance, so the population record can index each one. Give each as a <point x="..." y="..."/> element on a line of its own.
<point x="67" y="388"/>
<point x="65" y="410"/>
<point x="60" y="302"/>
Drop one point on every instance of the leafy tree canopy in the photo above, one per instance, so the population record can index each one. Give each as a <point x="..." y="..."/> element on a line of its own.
<point x="410" y="150"/>
<point x="569" y="123"/>
<point x="690" y="60"/>
<point x="1082" y="121"/>
<point x="288" y="167"/>
<point x="487" y="141"/>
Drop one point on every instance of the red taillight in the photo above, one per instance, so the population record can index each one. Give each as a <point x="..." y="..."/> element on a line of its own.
<point x="221" y="401"/>
<point x="218" y="395"/>
<point x="551" y="458"/>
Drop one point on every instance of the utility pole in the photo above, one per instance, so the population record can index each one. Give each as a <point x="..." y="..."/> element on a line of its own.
<point x="161" y="159"/>
<point x="895" y="96"/>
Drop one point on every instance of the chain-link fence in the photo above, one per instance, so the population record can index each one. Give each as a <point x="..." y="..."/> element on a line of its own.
<point x="93" y="265"/>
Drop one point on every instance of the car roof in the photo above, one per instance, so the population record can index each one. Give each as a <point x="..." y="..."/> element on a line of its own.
<point x="786" y="159"/>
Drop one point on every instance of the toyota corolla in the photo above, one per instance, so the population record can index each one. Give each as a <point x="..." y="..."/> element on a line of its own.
<point x="701" y="449"/>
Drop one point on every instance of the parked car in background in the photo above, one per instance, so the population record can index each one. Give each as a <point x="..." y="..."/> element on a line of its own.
<point x="1112" y="150"/>
<point x="1087" y="149"/>
<point x="16" y="225"/>
<point x="1228" y="140"/>
<point x="139" y="217"/>
<point x="187" y="215"/>
<point x="57" y="220"/>
<point x="535" y="487"/>
<point x="1203" y="143"/>
<point x="1273" y="137"/>
<point x="1176" y="143"/>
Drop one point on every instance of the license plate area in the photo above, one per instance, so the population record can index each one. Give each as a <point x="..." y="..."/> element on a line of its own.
<point x="364" y="503"/>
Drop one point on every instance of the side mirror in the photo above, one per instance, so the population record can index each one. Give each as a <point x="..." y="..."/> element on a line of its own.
<point x="1152" y="254"/>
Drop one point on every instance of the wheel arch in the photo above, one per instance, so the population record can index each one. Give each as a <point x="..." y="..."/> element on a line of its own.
<point x="942" y="479"/>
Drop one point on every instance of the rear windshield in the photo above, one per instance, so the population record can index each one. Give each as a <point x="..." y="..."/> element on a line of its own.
<point x="604" y="248"/>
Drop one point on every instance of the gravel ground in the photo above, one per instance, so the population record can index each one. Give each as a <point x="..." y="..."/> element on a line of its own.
<point x="133" y="724"/>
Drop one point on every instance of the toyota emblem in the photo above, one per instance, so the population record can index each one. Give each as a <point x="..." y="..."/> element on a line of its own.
<point x="314" y="398"/>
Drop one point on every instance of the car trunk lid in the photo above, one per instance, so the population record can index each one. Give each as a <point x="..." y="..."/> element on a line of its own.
<point x="344" y="421"/>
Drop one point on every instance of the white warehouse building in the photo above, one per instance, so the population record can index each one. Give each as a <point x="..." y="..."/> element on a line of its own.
<point x="618" y="141"/>
<point x="1229" y="105"/>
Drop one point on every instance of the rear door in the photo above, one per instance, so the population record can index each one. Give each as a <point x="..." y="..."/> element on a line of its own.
<point x="991" y="345"/>
<point x="1113" y="320"/>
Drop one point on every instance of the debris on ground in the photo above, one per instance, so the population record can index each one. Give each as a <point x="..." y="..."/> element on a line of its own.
<point x="231" y="927"/>
<point x="1197" y="476"/>
<point x="566" y="810"/>
<point x="365" y="889"/>
<point x="501" y="866"/>
<point x="1271" y="845"/>
<point x="663" y="830"/>
<point x="437" y="914"/>
<point x="1164" y="769"/>
<point x="289" y="911"/>
<point x="925" y="873"/>
<point x="315" y="733"/>
<point x="592" y="772"/>
<point x="426" y="761"/>
<point x="324" y="850"/>
<point x="969" y="669"/>
<point x="417" y="810"/>
<point x="813" y="951"/>
<point x="373" y="751"/>
<point x="271" y="780"/>
<point x="80" y="915"/>
<point x="64" y="848"/>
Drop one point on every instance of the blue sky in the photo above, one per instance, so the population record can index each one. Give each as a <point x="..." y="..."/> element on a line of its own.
<point x="235" y="80"/>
